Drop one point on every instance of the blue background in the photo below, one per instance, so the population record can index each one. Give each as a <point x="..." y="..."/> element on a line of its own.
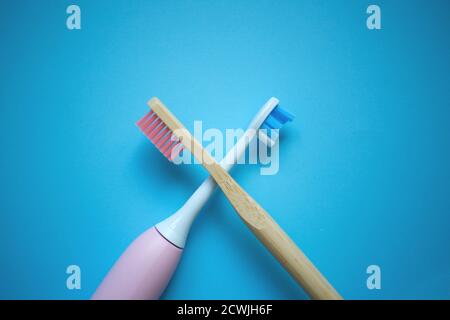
<point x="364" y="175"/>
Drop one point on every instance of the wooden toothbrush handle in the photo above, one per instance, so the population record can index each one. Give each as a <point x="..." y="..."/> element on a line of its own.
<point x="294" y="260"/>
<point x="275" y="239"/>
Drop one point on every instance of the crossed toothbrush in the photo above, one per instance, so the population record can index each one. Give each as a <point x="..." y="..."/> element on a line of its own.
<point x="147" y="265"/>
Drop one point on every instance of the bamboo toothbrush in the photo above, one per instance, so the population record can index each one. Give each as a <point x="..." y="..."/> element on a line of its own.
<point x="145" y="268"/>
<point x="254" y="216"/>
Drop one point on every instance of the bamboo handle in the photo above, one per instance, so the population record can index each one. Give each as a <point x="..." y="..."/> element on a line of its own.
<point x="256" y="218"/>
<point x="274" y="238"/>
<point x="295" y="261"/>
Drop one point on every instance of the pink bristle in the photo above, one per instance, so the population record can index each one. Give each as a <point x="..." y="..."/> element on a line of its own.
<point x="149" y="121"/>
<point x="145" y="124"/>
<point x="155" y="134"/>
<point x="160" y="135"/>
<point x="169" y="144"/>
<point x="144" y="119"/>
<point x="164" y="139"/>
<point x="152" y="123"/>
<point x="168" y="153"/>
<point x="151" y="129"/>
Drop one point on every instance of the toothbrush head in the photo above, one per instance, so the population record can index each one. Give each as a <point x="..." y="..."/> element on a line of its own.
<point x="276" y="119"/>
<point x="160" y="135"/>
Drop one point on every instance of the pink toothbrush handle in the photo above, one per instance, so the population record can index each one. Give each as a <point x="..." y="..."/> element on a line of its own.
<point x="142" y="271"/>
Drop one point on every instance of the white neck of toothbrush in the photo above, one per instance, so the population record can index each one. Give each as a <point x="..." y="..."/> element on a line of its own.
<point x="239" y="148"/>
<point x="176" y="227"/>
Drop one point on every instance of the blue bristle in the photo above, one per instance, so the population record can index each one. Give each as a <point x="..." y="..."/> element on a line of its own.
<point x="273" y="122"/>
<point x="282" y="115"/>
<point x="277" y="118"/>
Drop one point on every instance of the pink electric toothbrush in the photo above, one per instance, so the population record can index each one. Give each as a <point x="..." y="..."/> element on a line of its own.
<point x="146" y="267"/>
